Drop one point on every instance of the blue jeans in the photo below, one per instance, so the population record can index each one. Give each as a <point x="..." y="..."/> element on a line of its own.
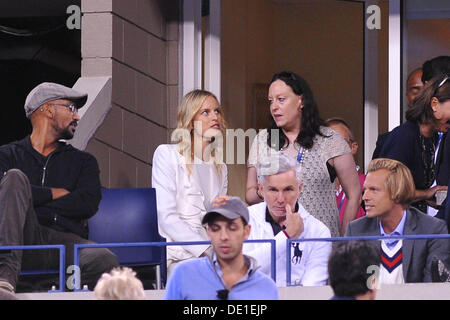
<point x="19" y="226"/>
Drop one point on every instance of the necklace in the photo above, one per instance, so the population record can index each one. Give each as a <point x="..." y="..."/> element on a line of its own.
<point x="428" y="161"/>
<point x="301" y="152"/>
<point x="300" y="155"/>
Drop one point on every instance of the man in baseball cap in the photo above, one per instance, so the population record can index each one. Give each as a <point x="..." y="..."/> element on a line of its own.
<point x="48" y="190"/>
<point x="228" y="207"/>
<point x="226" y="273"/>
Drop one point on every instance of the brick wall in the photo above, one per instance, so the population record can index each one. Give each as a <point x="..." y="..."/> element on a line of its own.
<point x="136" y="43"/>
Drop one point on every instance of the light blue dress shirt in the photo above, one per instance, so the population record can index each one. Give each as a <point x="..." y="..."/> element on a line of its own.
<point x="397" y="232"/>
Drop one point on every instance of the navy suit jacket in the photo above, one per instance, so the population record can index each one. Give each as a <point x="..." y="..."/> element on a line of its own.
<point x="417" y="254"/>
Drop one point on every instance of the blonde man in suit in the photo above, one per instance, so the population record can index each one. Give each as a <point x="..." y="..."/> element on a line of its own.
<point x="388" y="191"/>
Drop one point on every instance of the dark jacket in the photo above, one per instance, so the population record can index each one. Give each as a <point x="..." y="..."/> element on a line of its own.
<point x="66" y="167"/>
<point x="379" y="144"/>
<point x="403" y="144"/>
<point x="417" y="254"/>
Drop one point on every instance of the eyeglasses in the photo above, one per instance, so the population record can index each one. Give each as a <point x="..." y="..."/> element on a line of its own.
<point x="71" y="106"/>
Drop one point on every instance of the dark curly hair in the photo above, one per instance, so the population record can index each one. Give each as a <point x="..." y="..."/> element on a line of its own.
<point x="348" y="266"/>
<point x="311" y="121"/>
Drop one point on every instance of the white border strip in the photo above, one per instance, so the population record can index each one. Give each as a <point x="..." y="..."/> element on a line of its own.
<point x="212" y="50"/>
<point x="394" y="64"/>
<point x="370" y="91"/>
<point x="192" y="45"/>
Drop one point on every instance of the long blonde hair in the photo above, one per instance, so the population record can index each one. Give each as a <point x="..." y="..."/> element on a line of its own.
<point x="183" y="134"/>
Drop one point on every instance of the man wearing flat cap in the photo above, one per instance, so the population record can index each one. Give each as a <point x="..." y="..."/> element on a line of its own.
<point x="226" y="274"/>
<point x="48" y="190"/>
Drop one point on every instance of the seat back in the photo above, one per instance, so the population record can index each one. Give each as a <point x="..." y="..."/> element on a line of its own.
<point x="129" y="215"/>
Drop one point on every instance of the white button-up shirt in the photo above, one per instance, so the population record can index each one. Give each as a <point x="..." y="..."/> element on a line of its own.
<point x="309" y="260"/>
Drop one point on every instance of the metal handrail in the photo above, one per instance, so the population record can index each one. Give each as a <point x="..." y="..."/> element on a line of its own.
<point x="163" y="244"/>
<point x="364" y="238"/>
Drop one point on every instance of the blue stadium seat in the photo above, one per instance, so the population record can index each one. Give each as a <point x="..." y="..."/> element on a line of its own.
<point x="125" y="216"/>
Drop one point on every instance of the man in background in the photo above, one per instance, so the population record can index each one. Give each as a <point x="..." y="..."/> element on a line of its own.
<point x="341" y="126"/>
<point x="414" y="84"/>
<point x="353" y="269"/>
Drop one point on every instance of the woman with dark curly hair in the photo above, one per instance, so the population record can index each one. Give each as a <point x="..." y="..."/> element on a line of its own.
<point x="298" y="131"/>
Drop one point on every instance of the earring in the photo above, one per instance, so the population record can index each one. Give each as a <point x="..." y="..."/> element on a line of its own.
<point x="42" y="109"/>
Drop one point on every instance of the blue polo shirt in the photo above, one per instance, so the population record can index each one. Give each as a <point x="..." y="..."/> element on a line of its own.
<point x="200" y="279"/>
<point x="397" y="232"/>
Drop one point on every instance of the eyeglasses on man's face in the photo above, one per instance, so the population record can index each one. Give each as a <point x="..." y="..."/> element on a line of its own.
<point x="71" y="106"/>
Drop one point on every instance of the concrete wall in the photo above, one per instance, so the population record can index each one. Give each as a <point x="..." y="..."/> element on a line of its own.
<point x="136" y="43"/>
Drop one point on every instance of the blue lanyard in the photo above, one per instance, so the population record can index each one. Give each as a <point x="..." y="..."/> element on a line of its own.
<point x="342" y="202"/>
<point x="300" y="155"/>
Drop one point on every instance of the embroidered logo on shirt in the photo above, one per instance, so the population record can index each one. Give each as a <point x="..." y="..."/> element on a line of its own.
<point x="297" y="253"/>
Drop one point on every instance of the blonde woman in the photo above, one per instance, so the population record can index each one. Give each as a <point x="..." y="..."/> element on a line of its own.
<point x="189" y="174"/>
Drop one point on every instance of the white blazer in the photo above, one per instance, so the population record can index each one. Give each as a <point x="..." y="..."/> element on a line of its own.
<point x="180" y="203"/>
<point x="311" y="269"/>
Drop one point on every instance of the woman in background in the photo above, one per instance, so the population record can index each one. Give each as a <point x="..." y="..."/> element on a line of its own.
<point x="189" y="174"/>
<point x="298" y="131"/>
<point x="414" y="143"/>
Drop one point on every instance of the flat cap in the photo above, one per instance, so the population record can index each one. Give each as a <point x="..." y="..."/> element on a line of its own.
<point x="48" y="91"/>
